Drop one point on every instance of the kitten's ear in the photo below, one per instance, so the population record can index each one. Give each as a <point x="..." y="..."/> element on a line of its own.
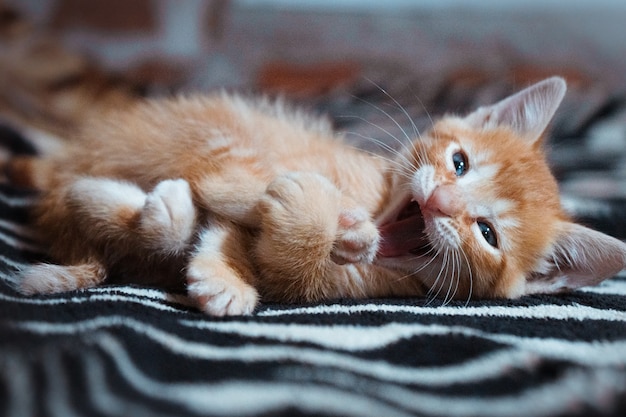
<point x="580" y="257"/>
<point x="528" y="112"/>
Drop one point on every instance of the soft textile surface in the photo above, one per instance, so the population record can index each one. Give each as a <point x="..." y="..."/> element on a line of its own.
<point x="130" y="351"/>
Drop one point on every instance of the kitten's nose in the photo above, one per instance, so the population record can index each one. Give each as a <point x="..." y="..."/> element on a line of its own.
<point x="445" y="200"/>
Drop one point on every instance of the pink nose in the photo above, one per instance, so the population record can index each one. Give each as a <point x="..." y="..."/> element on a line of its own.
<point x="445" y="200"/>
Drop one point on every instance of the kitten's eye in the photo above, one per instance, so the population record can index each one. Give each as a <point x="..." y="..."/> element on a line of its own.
<point x="460" y="163"/>
<point x="488" y="233"/>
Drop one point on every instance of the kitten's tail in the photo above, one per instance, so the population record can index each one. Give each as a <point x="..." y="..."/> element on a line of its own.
<point x="45" y="278"/>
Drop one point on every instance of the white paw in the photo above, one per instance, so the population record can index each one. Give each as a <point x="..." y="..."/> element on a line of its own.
<point x="221" y="297"/>
<point x="169" y="214"/>
<point x="357" y="237"/>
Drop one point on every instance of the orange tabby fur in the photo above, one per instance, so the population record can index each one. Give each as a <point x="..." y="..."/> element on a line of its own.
<point x="244" y="200"/>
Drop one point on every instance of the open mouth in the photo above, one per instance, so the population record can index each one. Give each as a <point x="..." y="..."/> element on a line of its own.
<point x="403" y="234"/>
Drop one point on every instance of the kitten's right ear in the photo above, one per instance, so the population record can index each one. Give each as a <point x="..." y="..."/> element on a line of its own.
<point x="527" y="112"/>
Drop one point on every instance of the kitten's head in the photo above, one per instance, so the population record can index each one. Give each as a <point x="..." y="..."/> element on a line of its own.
<point x="476" y="212"/>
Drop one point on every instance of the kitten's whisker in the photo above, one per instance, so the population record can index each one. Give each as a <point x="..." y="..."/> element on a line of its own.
<point x="402" y="173"/>
<point x="432" y="123"/>
<point x="431" y="259"/>
<point x="441" y="275"/>
<point x="381" y="110"/>
<point x="422" y="267"/>
<point x="471" y="277"/>
<point x="401" y="168"/>
<point x="379" y="142"/>
<point x="447" y="298"/>
<point x="457" y="279"/>
<point x="397" y="168"/>
<point x="454" y="278"/>
<point x="389" y="116"/>
<point x="400" y="106"/>
<point x="394" y="166"/>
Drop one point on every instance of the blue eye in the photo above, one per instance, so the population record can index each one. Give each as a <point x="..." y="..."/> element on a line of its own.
<point x="488" y="233"/>
<point x="460" y="163"/>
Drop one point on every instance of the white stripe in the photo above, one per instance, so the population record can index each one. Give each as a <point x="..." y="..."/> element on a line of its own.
<point x="57" y="397"/>
<point x="544" y="311"/>
<point x="151" y="293"/>
<point x="119" y="293"/>
<point x="599" y="353"/>
<point x="17" y="201"/>
<point x="112" y="291"/>
<point x="19" y="229"/>
<point x="610" y="287"/>
<point x="12" y="263"/>
<point x="103" y="399"/>
<point x="19" y="244"/>
<point x="245" y="398"/>
<point x="18" y="382"/>
<point x="89" y="299"/>
<point x="10" y="279"/>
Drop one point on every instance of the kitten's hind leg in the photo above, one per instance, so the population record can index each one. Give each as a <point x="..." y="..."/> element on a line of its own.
<point x="220" y="277"/>
<point x="120" y="212"/>
<point x="48" y="278"/>
<point x="168" y="216"/>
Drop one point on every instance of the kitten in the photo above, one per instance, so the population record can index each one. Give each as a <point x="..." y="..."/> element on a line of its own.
<point x="240" y="200"/>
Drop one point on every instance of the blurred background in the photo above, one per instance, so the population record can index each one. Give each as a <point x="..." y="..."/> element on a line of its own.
<point x="375" y="68"/>
<point x="232" y="42"/>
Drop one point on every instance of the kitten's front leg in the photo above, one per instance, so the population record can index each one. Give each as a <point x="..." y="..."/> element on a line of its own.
<point x="357" y="237"/>
<point x="220" y="278"/>
<point x="308" y="230"/>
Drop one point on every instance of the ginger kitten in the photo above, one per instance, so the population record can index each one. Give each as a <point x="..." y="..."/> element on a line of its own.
<point x="241" y="200"/>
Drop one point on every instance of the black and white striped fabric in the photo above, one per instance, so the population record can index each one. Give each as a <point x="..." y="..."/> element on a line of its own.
<point x="133" y="351"/>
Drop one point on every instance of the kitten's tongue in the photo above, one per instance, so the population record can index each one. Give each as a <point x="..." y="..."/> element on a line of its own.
<point x="402" y="237"/>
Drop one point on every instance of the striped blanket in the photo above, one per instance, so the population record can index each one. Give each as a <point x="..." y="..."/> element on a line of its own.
<point x="134" y="351"/>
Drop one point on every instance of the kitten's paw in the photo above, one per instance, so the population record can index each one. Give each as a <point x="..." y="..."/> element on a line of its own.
<point x="357" y="237"/>
<point x="306" y="204"/>
<point x="168" y="215"/>
<point x="219" y="296"/>
<point x="292" y="196"/>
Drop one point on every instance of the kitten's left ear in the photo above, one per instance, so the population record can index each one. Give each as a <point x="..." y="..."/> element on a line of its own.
<point x="527" y="112"/>
<point x="580" y="257"/>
